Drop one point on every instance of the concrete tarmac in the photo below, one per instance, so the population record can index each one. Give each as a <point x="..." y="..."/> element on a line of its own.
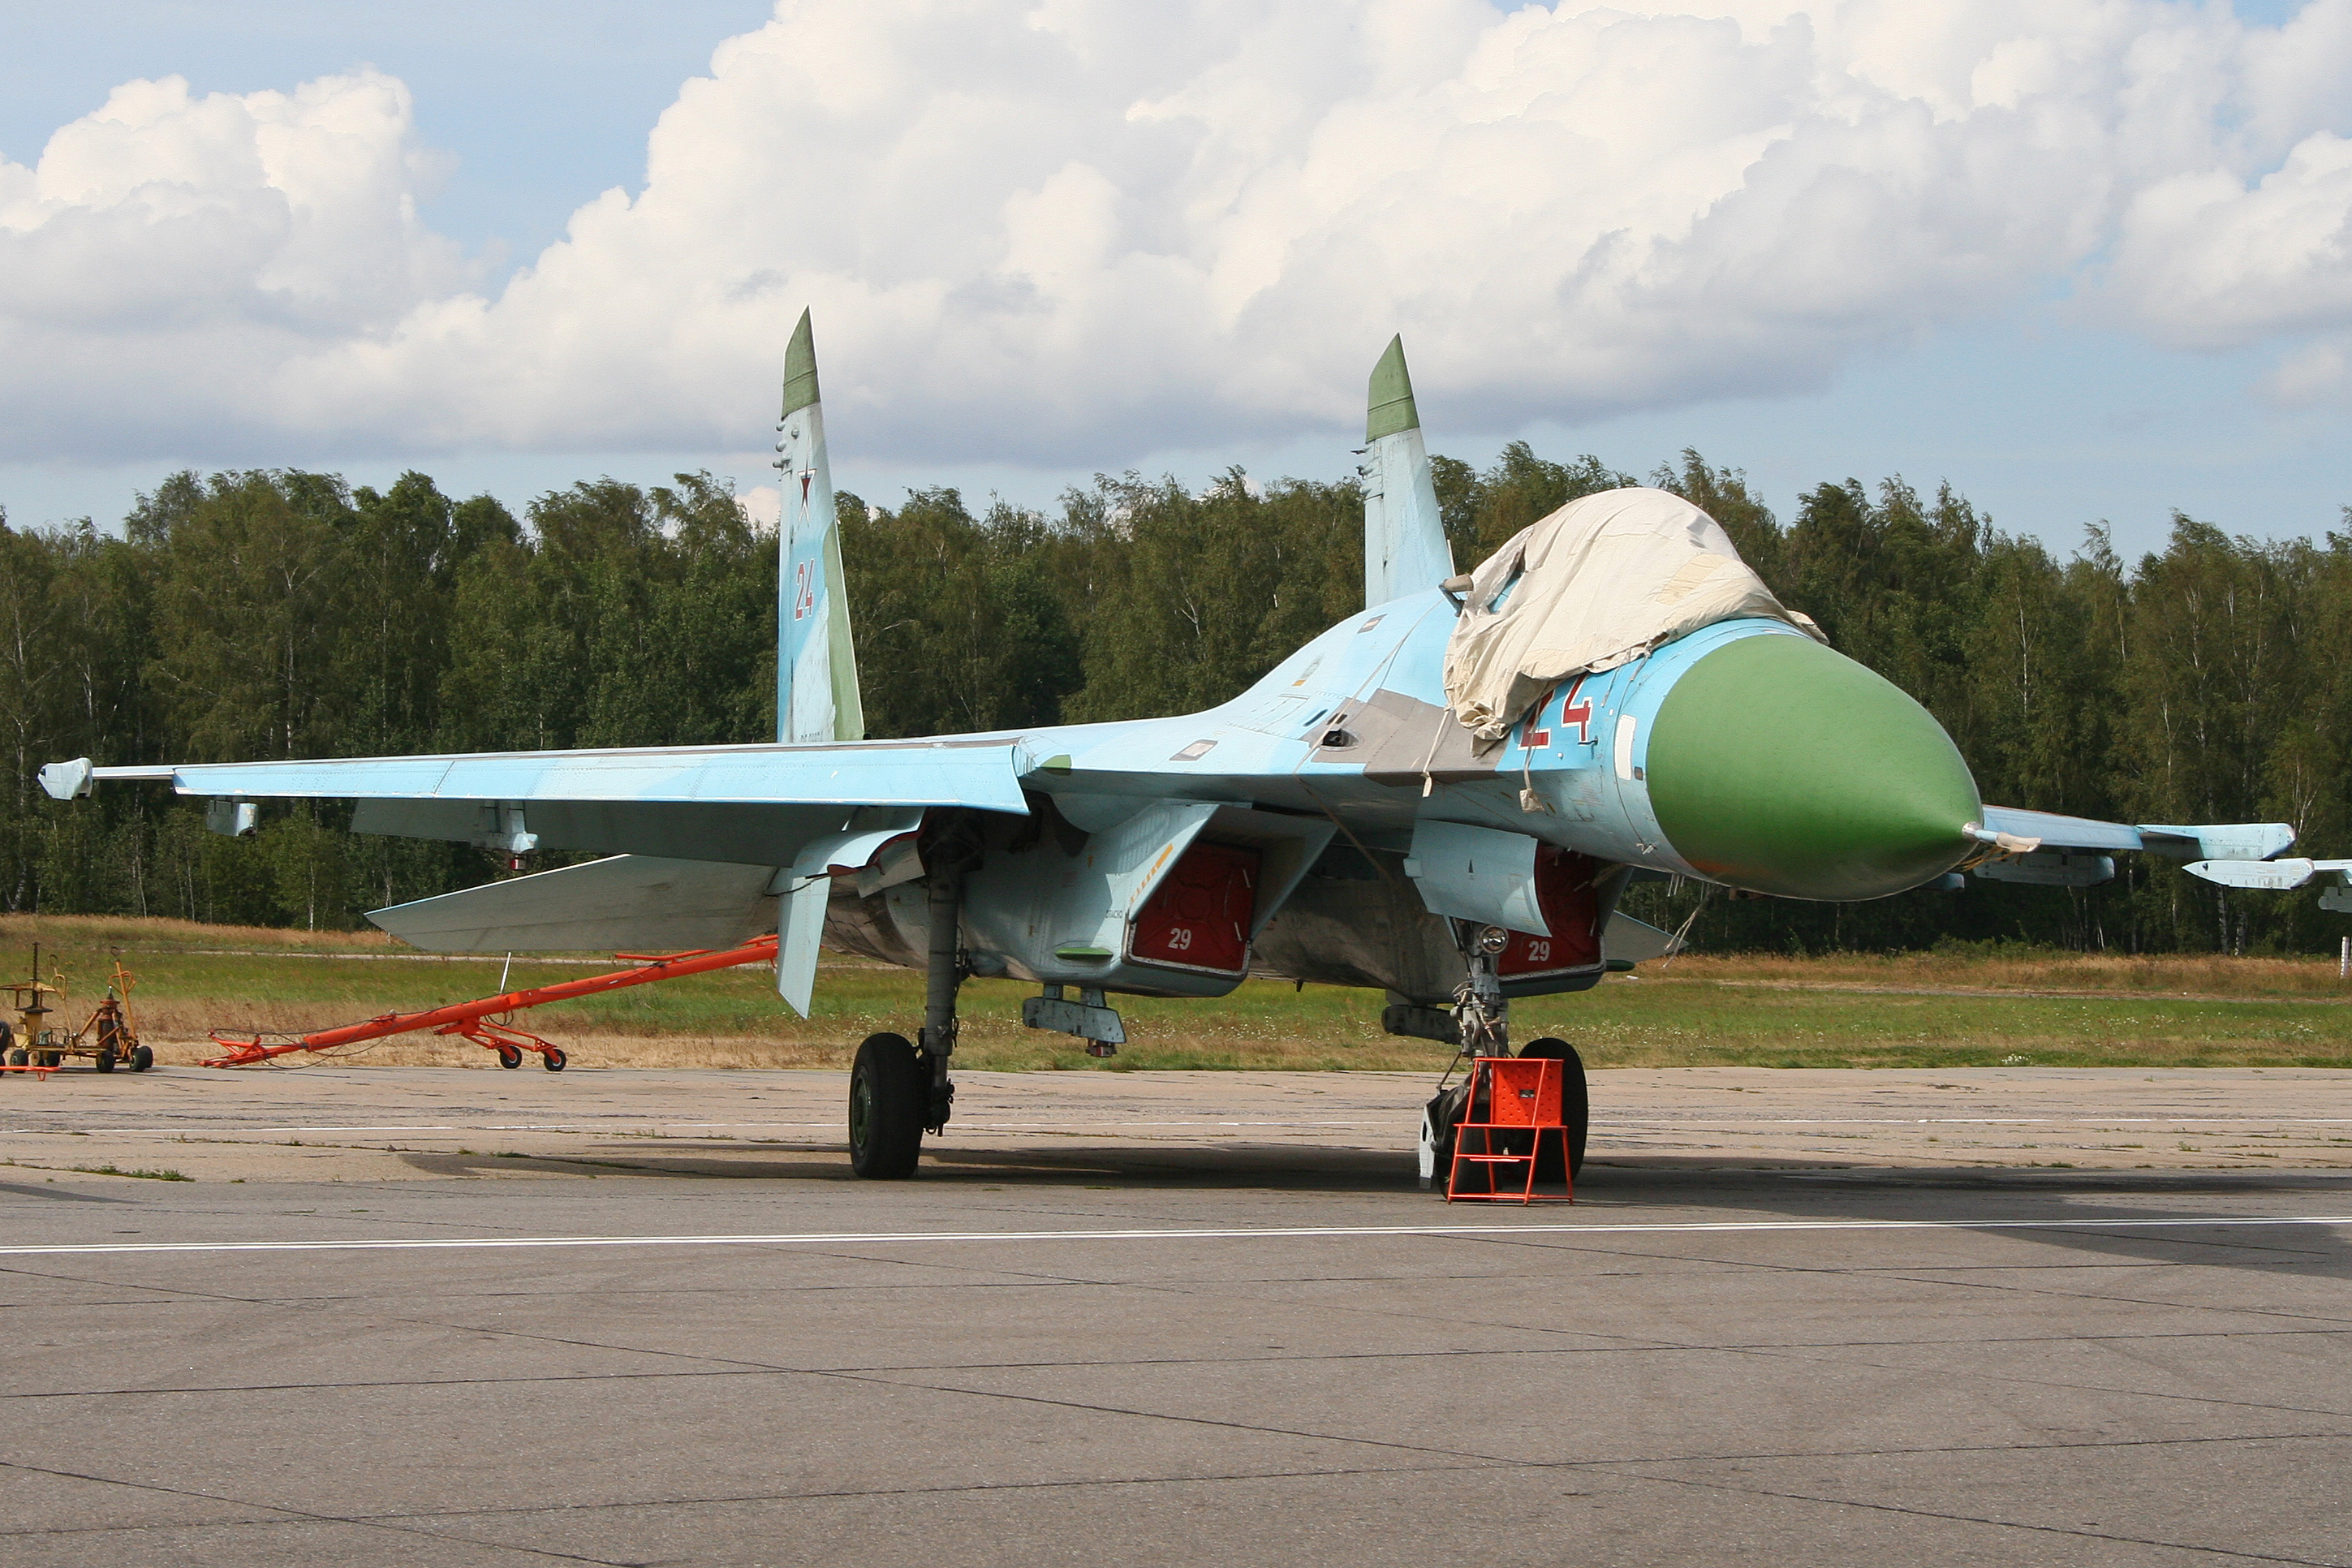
<point x="466" y="1316"/>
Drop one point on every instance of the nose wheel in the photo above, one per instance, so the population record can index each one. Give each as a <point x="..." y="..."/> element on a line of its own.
<point x="1575" y="1109"/>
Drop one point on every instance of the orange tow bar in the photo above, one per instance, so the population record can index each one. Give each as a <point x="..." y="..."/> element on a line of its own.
<point x="475" y="1021"/>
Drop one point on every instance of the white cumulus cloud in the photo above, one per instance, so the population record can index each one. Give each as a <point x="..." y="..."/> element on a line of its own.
<point x="1065" y="231"/>
<point x="170" y="257"/>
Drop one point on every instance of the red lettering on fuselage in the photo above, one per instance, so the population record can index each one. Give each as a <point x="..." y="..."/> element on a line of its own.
<point x="1578" y="713"/>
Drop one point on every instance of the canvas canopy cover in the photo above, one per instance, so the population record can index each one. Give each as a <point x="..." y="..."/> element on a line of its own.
<point x="1598" y="583"/>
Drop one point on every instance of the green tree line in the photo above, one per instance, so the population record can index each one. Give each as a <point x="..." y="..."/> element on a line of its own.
<point x="283" y="614"/>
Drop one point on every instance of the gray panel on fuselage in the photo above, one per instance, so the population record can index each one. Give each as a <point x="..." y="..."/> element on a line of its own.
<point x="1398" y="739"/>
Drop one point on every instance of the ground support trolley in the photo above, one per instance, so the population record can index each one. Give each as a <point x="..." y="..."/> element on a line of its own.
<point x="109" y="1038"/>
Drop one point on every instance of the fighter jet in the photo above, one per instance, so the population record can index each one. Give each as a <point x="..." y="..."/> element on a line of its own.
<point x="1443" y="798"/>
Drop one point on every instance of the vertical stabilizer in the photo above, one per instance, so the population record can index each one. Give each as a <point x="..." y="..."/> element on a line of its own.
<point x="1404" y="541"/>
<point x="816" y="665"/>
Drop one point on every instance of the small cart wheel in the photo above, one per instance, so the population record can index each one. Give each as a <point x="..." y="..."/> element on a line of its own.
<point x="509" y="1057"/>
<point x="50" y="1059"/>
<point x="555" y="1058"/>
<point x="105" y="1062"/>
<point x="18" y="1056"/>
<point x="141" y="1059"/>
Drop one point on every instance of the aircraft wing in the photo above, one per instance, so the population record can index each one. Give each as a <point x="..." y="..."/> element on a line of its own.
<point x="701" y="841"/>
<point x="707" y="838"/>
<point x="2212" y="841"/>
<point x="983" y="773"/>
<point x="2049" y="850"/>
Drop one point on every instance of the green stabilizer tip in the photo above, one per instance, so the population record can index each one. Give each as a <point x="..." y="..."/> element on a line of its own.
<point x="800" y="369"/>
<point x="1391" y="403"/>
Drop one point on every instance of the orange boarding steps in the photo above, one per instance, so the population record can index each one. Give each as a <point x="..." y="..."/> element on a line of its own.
<point x="1513" y="1095"/>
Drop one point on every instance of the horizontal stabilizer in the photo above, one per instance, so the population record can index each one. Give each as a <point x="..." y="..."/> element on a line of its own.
<point x="629" y="903"/>
<point x="2218" y="841"/>
<point x="2269" y="876"/>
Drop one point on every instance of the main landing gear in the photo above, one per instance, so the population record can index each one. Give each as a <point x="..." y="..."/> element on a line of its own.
<point x="898" y="1088"/>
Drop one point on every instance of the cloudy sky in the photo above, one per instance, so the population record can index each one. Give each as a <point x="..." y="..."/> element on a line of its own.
<point x="2084" y="258"/>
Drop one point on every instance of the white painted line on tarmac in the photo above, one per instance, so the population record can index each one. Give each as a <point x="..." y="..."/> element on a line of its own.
<point x="1197" y="1122"/>
<point x="625" y="1126"/>
<point x="1974" y="1121"/>
<point x="619" y="1124"/>
<point x="1253" y="1233"/>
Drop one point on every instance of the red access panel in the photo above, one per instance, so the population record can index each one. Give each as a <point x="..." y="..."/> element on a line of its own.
<point x="1571" y="906"/>
<point x="1199" y="917"/>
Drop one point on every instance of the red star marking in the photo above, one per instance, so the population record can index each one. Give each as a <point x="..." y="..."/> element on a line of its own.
<point x="1579" y="714"/>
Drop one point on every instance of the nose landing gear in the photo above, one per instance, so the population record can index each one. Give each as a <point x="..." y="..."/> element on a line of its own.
<point x="1482" y="1023"/>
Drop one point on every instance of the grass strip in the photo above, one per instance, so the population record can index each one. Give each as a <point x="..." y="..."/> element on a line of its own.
<point x="1963" y="1007"/>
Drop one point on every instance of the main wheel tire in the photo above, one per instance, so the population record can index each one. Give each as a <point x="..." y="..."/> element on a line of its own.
<point x="105" y="1062"/>
<point x="889" y="1093"/>
<point x="141" y="1059"/>
<point x="509" y="1057"/>
<point x="1575" y="1109"/>
<point x="554" y="1059"/>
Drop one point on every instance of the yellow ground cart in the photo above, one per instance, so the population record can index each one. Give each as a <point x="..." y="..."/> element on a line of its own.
<point x="109" y="1038"/>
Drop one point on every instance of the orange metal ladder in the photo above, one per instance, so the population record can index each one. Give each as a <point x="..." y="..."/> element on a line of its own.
<point x="1514" y="1095"/>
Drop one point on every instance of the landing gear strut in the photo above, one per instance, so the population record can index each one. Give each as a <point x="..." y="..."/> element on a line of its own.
<point x="1482" y="1014"/>
<point x="943" y="973"/>
<point x="1482" y="1028"/>
<point x="900" y="1090"/>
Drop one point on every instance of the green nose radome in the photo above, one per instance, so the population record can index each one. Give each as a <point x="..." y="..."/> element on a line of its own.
<point x="1780" y="765"/>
